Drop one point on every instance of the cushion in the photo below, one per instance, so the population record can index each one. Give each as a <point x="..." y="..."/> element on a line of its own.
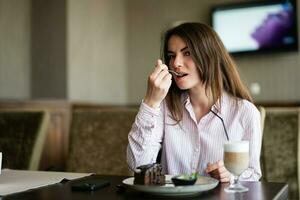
<point x="98" y="141"/>
<point x="21" y="142"/>
<point x="280" y="148"/>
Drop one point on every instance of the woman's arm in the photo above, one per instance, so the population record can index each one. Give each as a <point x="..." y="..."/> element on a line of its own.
<point x="146" y="134"/>
<point x="145" y="137"/>
<point x="253" y="134"/>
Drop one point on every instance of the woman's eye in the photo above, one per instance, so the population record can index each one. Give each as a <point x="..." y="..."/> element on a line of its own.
<point x="187" y="53"/>
<point x="170" y="56"/>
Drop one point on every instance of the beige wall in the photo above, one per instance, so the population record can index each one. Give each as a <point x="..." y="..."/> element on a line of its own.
<point x="97" y="53"/>
<point x="14" y="49"/>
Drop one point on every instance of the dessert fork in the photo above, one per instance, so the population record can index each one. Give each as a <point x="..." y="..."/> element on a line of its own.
<point x="175" y="73"/>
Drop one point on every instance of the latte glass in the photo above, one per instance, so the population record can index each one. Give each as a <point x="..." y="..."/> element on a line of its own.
<point x="236" y="160"/>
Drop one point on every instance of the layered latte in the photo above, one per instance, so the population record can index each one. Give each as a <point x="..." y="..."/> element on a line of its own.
<point x="236" y="156"/>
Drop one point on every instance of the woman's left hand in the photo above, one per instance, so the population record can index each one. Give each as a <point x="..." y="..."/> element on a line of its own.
<point x="218" y="171"/>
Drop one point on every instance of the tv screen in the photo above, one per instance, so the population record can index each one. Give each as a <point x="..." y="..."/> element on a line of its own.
<point x="257" y="26"/>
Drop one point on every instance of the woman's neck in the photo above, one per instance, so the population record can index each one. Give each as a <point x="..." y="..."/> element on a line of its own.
<point x="201" y="101"/>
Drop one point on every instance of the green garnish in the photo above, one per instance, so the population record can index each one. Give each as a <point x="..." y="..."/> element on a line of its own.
<point x="189" y="176"/>
<point x="195" y="175"/>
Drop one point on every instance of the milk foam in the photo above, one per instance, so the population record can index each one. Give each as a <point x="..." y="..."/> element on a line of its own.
<point x="236" y="146"/>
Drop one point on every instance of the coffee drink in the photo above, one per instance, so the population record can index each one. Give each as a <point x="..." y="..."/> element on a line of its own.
<point x="236" y="156"/>
<point x="236" y="160"/>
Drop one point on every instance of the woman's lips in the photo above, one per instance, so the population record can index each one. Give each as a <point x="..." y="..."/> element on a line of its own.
<point x="182" y="76"/>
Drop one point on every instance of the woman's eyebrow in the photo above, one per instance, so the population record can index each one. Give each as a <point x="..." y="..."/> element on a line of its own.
<point x="183" y="49"/>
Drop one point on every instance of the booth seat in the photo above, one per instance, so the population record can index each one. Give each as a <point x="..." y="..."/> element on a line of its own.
<point x="98" y="140"/>
<point x="55" y="148"/>
<point x="280" y="147"/>
<point x="22" y="138"/>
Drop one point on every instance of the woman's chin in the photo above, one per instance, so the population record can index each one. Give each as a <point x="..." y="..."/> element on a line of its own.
<point x="183" y="86"/>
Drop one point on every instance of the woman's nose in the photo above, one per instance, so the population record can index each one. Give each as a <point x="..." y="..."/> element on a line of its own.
<point x="178" y="62"/>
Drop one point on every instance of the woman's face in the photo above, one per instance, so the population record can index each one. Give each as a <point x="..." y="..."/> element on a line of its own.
<point x="182" y="62"/>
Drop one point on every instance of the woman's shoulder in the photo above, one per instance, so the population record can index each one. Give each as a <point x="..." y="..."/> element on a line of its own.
<point x="242" y="106"/>
<point x="247" y="105"/>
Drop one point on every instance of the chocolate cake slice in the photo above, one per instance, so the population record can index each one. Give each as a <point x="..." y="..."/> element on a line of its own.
<point x="150" y="174"/>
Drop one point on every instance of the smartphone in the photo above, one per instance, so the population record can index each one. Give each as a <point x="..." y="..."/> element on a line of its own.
<point x="89" y="185"/>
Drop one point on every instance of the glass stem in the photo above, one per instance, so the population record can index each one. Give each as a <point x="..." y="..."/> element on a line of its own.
<point x="234" y="182"/>
<point x="236" y="178"/>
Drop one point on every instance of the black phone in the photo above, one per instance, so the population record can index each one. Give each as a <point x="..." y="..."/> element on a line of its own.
<point x="89" y="185"/>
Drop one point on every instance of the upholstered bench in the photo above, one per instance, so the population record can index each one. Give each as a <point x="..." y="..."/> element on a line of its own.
<point x="280" y="149"/>
<point x="98" y="140"/>
<point x="22" y="138"/>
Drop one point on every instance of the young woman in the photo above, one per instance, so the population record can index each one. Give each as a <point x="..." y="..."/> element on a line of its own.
<point x="190" y="115"/>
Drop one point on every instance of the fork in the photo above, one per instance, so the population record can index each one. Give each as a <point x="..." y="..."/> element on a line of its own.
<point x="175" y="73"/>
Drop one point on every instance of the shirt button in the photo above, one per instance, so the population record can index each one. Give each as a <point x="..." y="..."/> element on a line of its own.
<point x="197" y="150"/>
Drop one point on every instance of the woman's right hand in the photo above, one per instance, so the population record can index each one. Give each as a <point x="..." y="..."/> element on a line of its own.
<point x="159" y="82"/>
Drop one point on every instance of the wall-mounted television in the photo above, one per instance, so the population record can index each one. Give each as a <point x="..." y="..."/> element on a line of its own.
<point x="257" y="26"/>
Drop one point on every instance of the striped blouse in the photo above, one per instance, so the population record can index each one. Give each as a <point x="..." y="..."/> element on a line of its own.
<point x="190" y="145"/>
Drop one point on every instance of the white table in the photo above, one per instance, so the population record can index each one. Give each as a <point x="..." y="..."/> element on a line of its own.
<point x="12" y="181"/>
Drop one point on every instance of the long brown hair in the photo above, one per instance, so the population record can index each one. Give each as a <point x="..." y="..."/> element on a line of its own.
<point x="217" y="69"/>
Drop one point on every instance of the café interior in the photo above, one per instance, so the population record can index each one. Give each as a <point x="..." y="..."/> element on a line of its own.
<point x="73" y="74"/>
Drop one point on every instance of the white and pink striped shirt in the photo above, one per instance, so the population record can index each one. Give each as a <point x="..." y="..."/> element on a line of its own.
<point x="189" y="146"/>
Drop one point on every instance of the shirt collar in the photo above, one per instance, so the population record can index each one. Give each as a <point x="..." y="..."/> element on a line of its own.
<point x="219" y="107"/>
